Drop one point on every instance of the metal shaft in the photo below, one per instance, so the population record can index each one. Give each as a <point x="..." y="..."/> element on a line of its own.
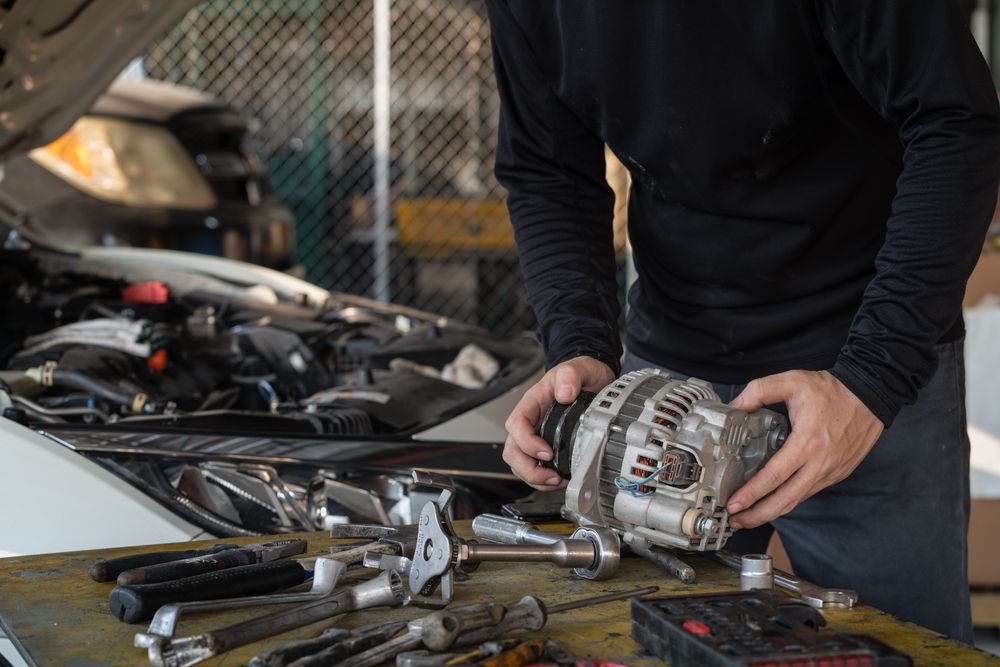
<point x="567" y="553"/>
<point x="601" y="599"/>
<point x="504" y="530"/>
<point x="384" y="590"/>
<point x="326" y="573"/>
<point x="666" y="560"/>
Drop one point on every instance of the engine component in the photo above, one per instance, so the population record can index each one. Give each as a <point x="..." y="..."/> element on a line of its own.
<point x="657" y="458"/>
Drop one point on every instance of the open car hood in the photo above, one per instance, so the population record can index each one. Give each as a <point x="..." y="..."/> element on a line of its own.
<point x="58" y="56"/>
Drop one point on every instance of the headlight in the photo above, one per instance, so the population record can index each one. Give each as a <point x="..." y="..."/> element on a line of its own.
<point x="127" y="163"/>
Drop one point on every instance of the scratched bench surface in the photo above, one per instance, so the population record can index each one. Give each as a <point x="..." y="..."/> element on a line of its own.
<point x="59" y="616"/>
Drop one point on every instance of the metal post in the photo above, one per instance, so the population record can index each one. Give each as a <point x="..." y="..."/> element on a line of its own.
<point x="980" y="26"/>
<point x="381" y="102"/>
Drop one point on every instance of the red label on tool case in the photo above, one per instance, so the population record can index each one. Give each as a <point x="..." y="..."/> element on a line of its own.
<point x="697" y="628"/>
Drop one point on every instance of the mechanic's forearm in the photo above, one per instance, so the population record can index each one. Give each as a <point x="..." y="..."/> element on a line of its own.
<point x="945" y="201"/>
<point x="569" y="270"/>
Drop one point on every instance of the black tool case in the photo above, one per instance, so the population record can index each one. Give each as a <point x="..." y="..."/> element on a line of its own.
<point x="760" y="628"/>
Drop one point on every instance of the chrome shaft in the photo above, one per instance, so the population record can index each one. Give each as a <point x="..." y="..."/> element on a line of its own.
<point x="567" y="553"/>
<point x="503" y="530"/>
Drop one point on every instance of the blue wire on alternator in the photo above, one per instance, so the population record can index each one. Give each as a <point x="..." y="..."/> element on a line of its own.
<point x="632" y="486"/>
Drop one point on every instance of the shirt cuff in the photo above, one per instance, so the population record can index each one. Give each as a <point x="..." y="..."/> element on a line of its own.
<point x="866" y="389"/>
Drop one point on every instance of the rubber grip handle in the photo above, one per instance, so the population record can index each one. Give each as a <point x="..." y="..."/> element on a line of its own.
<point x="189" y="567"/>
<point x="108" y="569"/>
<point x="139" y="602"/>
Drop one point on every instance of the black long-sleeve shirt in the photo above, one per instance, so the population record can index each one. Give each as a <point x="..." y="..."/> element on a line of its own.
<point x="811" y="180"/>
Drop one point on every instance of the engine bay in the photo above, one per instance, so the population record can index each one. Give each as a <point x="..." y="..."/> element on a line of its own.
<point x="81" y="348"/>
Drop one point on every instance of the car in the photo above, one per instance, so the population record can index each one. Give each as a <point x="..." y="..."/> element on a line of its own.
<point x="154" y="165"/>
<point x="154" y="395"/>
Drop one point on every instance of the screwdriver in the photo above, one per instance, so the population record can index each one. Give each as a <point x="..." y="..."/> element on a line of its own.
<point x="477" y="623"/>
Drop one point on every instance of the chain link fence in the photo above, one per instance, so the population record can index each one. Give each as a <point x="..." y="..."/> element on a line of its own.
<point x="377" y="121"/>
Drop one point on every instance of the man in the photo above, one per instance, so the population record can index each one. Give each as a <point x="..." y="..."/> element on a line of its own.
<point x="812" y="182"/>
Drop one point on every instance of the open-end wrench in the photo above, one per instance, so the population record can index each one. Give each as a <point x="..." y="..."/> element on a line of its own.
<point x="326" y="573"/>
<point x="811" y="594"/>
<point x="384" y="590"/>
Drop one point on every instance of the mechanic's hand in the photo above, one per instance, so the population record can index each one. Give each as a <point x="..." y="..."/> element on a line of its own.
<point x="832" y="432"/>
<point x="563" y="383"/>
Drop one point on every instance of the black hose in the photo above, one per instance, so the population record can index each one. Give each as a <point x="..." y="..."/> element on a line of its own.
<point x="83" y="382"/>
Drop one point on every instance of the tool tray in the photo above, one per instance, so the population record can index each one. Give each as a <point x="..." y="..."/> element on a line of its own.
<point x="759" y="628"/>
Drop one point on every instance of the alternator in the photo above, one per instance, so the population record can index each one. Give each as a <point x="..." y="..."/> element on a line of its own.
<point x="657" y="458"/>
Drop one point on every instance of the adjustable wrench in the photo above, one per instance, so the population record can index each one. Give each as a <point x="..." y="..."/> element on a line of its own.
<point x="813" y="595"/>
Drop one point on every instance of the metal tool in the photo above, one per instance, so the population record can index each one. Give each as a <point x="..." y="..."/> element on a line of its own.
<point x="139" y="602"/>
<point x="593" y="552"/>
<point x="815" y="596"/>
<point x="332" y="646"/>
<point x="393" y="540"/>
<point x="666" y="559"/>
<point x="470" y="625"/>
<point x="425" y="658"/>
<point x="756" y="571"/>
<point x="506" y="530"/>
<point x="108" y="569"/>
<point x="263" y="552"/>
<point x="326" y="573"/>
<point x="384" y="590"/>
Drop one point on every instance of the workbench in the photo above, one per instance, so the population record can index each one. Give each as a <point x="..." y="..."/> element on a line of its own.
<point x="58" y="616"/>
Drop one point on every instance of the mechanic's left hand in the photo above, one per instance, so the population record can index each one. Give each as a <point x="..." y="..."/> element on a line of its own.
<point x="832" y="432"/>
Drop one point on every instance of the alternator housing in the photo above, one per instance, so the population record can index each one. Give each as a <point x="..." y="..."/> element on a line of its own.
<point x="657" y="458"/>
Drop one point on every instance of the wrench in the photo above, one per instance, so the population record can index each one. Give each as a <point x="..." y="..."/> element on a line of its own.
<point x="385" y="590"/>
<point x="813" y="595"/>
<point x="161" y="628"/>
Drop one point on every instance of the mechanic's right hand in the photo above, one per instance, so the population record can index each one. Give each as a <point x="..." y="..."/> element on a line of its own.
<point x="524" y="448"/>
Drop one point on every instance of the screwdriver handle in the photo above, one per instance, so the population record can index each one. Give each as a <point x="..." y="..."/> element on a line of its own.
<point x="475" y="624"/>
<point x="108" y="569"/>
<point x="139" y="602"/>
<point x="188" y="567"/>
<point x="525" y="653"/>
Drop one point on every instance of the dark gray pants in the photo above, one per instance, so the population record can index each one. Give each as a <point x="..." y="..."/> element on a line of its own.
<point x="895" y="530"/>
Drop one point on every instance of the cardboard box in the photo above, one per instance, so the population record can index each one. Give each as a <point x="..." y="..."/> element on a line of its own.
<point x="984" y="544"/>
<point x="985" y="279"/>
